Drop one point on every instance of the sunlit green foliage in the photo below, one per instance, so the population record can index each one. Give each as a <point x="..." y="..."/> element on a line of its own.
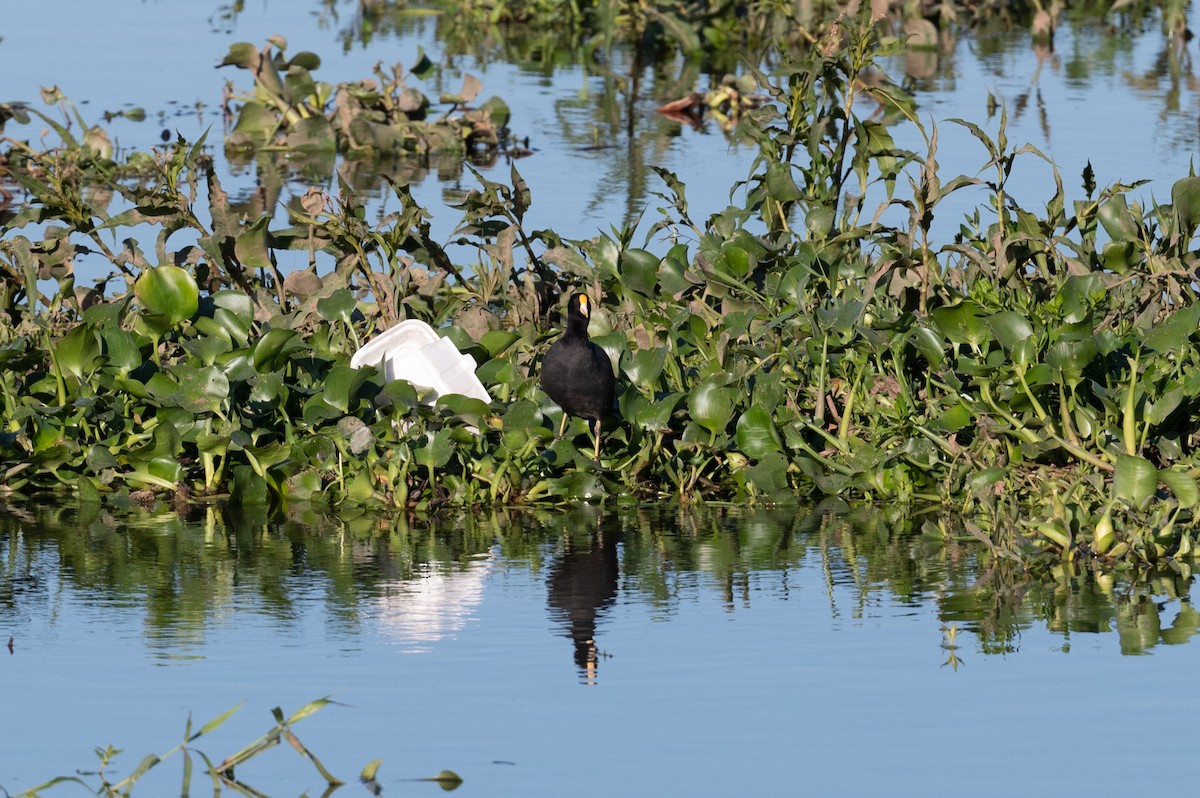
<point x="1036" y="373"/>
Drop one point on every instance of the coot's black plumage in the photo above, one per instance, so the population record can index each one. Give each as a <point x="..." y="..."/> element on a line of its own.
<point x="576" y="373"/>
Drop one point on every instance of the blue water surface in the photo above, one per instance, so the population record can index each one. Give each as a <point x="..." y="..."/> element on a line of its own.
<point x="760" y="656"/>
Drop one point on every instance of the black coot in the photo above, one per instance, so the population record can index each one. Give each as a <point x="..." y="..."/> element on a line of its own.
<point x="576" y="373"/>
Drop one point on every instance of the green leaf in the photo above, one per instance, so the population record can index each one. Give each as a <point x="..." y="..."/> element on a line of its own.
<point x="423" y="67"/>
<point x="769" y="476"/>
<point x="962" y="323"/>
<point x="652" y="415"/>
<point x="986" y="479"/>
<point x="241" y="54"/>
<point x="711" y="403"/>
<point x="338" y="306"/>
<point x="498" y="109"/>
<point x="305" y="59"/>
<point x="273" y="348"/>
<point x="256" y="122"/>
<point x="87" y="490"/>
<point x="928" y="343"/>
<point x="1118" y="221"/>
<point x="497" y="342"/>
<point x="466" y="409"/>
<point x="1119" y="256"/>
<point x="77" y="352"/>
<point x="247" y="488"/>
<point x="644" y="367"/>
<point x="1009" y="328"/>
<point x="201" y="390"/>
<point x="733" y="262"/>
<point x="436" y="450"/>
<point x="756" y="434"/>
<point x="1186" y="491"/>
<point x="370" y="770"/>
<point x="341" y="386"/>
<point x="639" y="271"/>
<point x="215" y="722"/>
<point x="1078" y="295"/>
<point x="250" y="247"/>
<point x="1173" y="334"/>
<point x="1069" y="356"/>
<point x="1136" y="479"/>
<point x="234" y="312"/>
<point x="781" y="186"/>
<point x="1185" y="202"/>
<point x="311" y="135"/>
<point x="168" y="292"/>
<point x="1167" y="402"/>
<point x="671" y="272"/>
<point x="523" y="415"/>
<point x="954" y="418"/>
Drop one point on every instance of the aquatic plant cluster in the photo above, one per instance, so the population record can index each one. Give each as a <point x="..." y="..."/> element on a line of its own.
<point x="1034" y="378"/>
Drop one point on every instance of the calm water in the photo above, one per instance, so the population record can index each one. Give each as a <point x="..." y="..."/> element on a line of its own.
<point x="731" y="654"/>
<point x="638" y="652"/>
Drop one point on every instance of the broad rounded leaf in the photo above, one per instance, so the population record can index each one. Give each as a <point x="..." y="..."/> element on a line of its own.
<point x="306" y="59"/>
<point x="168" y="291"/>
<point x="644" y="366"/>
<point x="639" y="270"/>
<point x="201" y="390"/>
<point x="251" y="248"/>
<point x="1078" y="295"/>
<point x="77" y="352"/>
<point x="734" y="262"/>
<point x="496" y="342"/>
<point x="1187" y="493"/>
<point x="1185" y="199"/>
<point x="436" y="450"/>
<point x="1067" y="357"/>
<point x="953" y="418"/>
<point x="255" y="122"/>
<point x="341" y="387"/>
<point x="962" y="323"/>
<point x="756" y="434"/>
<point x="499" y="111"/>
<point x="1118" y="220"/>
<point x="1119" y="256"/>
<point x="781" y="186"/>
<point x="986" y="479"/>
<point x="241" y="54"/>
<point x="338" y="306"/>
<point x="1173" y="334"/>
<point x="671" y="273"/>
<point x="769" y="475"/>
<point x="312" y="134"/>
<point x="1136" y="479"/>
<point x="711" y="403"/>
<point x="270" y="349"/>
<point x="653" y="415"/>
<point x="1009" y="328"/>
<point x="928" y="343"/>
<point x="819" y="220"/>
<point x="467" y="409"/>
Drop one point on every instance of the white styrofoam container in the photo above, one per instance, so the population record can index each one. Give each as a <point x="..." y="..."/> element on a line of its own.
<point x="413" y="351"/>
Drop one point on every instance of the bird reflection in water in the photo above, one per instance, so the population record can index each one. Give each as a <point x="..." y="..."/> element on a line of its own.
<point x="582" y="586"/>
